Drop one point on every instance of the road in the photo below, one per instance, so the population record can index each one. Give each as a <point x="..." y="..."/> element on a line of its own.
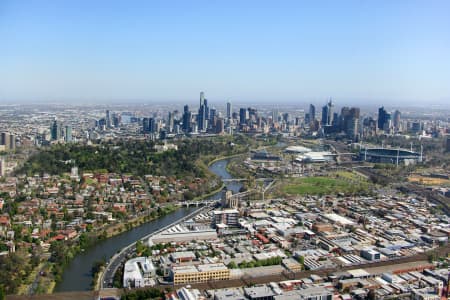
<point x="107" y="276"/>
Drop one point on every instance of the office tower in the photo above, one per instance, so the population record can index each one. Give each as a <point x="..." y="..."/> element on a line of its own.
<point x="327" y="113"/>
<point x="149" y="125"/>
<point x="275" y="115"/>
<point x="170" y="121"/>
<point x="68" y="133"/>
<point x="108" y="119"/>
<point x="8" y="140"/>
<point x="203" y="113"/>
<point x="152" y="125"/>
<point x="201" y="120"/>
<point x="286" y="118"/>
<point x="307" y="120"/>
<point x="116" y="119"/>
<point x="145" y="125"/>
<point x="416" y="126"/>
<point x="312" y="112"/>
<point x="55" y="131"/>
<point x="447" y="144"/>
<point x="202" y="98"/>
<point x="349" y="121"/>
<point x="344" y="118"/>
<point x="212" y="114"/>
<point x="220" y="125"/>
<point x="384" y="119"/>
<point x="3" y="138"/>
<point x="396" y="120"/>
<point x="187" y="116"/>
<point x="243" y="116"/>
<point x="229" y="110"/>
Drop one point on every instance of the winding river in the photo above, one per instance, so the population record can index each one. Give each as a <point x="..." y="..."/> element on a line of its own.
<point x="77" y="276"/>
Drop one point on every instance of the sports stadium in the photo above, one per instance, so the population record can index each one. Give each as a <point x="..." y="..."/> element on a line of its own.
<point x="390" y="155"/>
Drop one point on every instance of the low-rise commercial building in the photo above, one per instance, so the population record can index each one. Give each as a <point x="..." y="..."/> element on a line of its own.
<point x="200" y="273"/>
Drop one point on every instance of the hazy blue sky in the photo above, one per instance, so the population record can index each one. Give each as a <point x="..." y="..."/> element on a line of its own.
<point x="276" y="51"/>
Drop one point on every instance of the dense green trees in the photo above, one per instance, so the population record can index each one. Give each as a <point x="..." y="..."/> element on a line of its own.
<point x="13" y="270"/>
<point x="128" y="156"/>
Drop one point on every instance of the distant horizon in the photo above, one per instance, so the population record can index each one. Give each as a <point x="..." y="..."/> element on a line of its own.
<point x="193" y="103"/>
<point x="252" y="51"/>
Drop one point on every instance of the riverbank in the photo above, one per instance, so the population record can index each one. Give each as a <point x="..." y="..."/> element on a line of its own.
<point x="77" y="275"/>
<point x="47" y="284"/>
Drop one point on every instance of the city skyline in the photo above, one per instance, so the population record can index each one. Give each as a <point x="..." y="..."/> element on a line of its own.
<point x="383" y="53"/>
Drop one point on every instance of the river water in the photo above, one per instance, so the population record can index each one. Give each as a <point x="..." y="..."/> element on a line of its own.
<point x="77" y="276"/>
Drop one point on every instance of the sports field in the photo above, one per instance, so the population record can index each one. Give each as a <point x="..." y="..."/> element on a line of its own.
<point x="340" y="182"/>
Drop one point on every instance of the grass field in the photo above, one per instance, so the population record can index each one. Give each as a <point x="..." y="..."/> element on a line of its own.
<point x="339" y="182"/>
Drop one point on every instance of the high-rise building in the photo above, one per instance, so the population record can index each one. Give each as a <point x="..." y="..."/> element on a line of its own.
<point x="55" y="131"/>
<point x="170" y="122"/>
<point x="187" y="116"/>
<point x="145" y="125"/>
<point x="8" y="140"/>
<point x="243" y="116"/>
<point x="312" y="113"/>
<point x="108" y="119"/>
<point x="275" y="115"/>
<point x="68" y="134"/>
<point x="212" y="114"/>
<point x="229" y="110"/>
<point x="116" y="119"/>
<point x="447" y="143"/>
<point x="202" y="98"/>
<point x="396" y="120"/>
<point x="327" y="113"/>
<point x="203" y="113"/>
<point x="384" y="119"/>
<point x="149" y="125"/>
<point x="220" y="125"/>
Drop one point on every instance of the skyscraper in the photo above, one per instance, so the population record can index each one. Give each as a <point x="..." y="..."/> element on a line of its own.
<point x="229" y="110"/>
<point x="202" y="98"/>
<point x="243" y="116"/>
<point x="187" y="116"/>
<point x="149" y="125"/>
<point x="327" y="113"/>
<point x="396" y="120"/>
<point x="55" y="131"/>
<point x="312" y="113"/>
<point x="108" y="119"/>
<point x="8" y="140"/>
<point x="68" y="134"/>
<point x="384" y="119"/>
<point x="203" y="113"/>
<point x="350" y="121"/>
<point x="170" y="121"/>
